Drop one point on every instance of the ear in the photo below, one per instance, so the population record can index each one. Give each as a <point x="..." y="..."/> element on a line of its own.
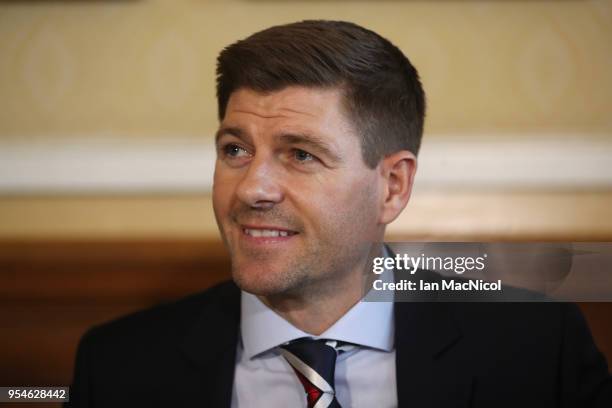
<point x="397" y="170"/>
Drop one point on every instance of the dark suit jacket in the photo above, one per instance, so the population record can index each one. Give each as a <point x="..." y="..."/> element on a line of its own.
<point x="448" y="355"/>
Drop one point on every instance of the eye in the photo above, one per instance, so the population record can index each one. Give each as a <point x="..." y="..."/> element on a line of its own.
<point x="302" y="156"/>
<point x="233" y="150"/>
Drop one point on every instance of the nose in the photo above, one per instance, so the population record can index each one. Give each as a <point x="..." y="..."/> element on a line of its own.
<point x="260" y="187"/>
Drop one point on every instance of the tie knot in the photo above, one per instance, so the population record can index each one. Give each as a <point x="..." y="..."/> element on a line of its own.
<point x="314" y="362"/>
<point x="312" y="350"/>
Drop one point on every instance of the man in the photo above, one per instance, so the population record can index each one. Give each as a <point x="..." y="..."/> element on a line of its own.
<point x="320" y="124"/>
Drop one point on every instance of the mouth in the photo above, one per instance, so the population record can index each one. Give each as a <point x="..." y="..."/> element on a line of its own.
<point x="267" y="233"/>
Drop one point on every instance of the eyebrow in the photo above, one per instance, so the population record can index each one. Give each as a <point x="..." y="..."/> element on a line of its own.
<point x="312" y="141"/>
<point x="233" y="131"/>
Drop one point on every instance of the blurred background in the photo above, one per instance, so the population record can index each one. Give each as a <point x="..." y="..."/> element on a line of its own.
<point x="107" y="117"/>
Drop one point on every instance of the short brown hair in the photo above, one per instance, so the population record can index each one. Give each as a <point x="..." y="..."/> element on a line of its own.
<point x="382" y="91"/>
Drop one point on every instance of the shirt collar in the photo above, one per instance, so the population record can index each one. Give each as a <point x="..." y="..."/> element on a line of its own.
<point x="368" y="324"/>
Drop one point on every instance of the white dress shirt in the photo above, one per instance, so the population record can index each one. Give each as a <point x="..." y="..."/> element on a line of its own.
<point x="365" y="375"/>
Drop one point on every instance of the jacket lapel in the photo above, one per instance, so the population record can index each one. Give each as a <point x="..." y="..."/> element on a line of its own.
<point x="211" y="344"/>
<point x="427" y="374"/>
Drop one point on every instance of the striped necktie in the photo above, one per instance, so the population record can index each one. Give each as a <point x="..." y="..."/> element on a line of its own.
<point x="314" y="363"/>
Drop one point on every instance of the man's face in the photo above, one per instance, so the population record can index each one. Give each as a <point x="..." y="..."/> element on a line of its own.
<point x="294" y="200"/>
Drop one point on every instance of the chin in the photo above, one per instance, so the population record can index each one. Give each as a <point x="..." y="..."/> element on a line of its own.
<point x="262" y="281"/>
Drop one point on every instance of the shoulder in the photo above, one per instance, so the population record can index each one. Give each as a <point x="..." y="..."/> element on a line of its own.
<point x="126" y="362"/>
<point x="167" y="321"/>
<point x="508" y="315"/>
<point x="544" y="347"/>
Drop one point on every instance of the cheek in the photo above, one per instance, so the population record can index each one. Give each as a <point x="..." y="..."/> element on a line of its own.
<point x="221" y="194"/>
<point x="360" y="210"/>
<point x="346" y="207"/>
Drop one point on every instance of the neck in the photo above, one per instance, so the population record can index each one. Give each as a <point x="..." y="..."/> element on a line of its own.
<point x="314" y="310"/>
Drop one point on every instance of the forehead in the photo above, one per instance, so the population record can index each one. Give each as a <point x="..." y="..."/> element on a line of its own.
<point x="318" y="108"/>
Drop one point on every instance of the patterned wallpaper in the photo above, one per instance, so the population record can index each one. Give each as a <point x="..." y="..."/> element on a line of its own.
<point x="142" y="69"/>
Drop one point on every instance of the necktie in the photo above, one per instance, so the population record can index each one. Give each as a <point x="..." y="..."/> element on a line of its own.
<point x="314" y="363"/>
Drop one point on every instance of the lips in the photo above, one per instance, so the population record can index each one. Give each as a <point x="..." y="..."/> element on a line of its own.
<point x="267" y="232"/>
